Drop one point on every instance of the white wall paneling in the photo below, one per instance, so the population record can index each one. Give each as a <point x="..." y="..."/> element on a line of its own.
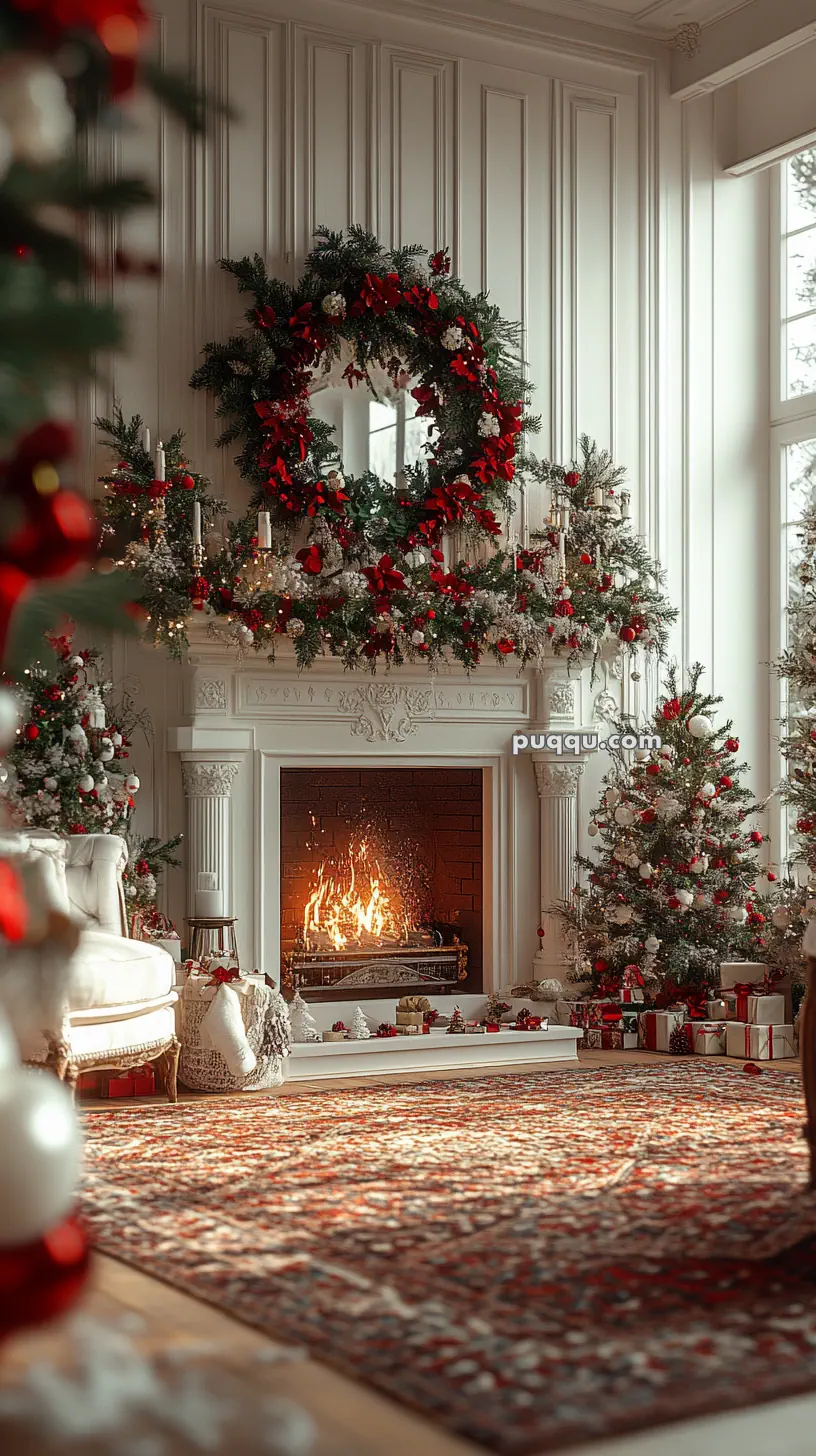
<point x="556" y="169"/>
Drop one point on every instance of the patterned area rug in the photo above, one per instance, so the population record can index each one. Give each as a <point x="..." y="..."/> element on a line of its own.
<point x="529" y="1260"/>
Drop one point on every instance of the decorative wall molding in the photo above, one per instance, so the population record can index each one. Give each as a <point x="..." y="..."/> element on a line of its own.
<point x="204" y="779"/>
<point x="210" y="694"/>
<point x="386" y="712"/>
<point x="605" y="707"/>
<point x="562" y="699"/>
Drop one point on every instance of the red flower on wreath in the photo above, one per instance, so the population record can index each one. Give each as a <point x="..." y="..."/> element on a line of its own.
<point x="278" y="474"/>
<point x="311" y="559"/>
<point x="265" y="316"/>
<point x="440" y="263"/>
<point x="353" y="375"/>
<point x="383" y="578"/>
<point x="378" y="294"/>
<point x="466" y="370"/>
<point x="422" y="299"/>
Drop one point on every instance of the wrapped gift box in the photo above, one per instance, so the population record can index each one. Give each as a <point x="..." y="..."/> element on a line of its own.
<point x="604" y="1012"/>
<point x="658" y="1027"/>
<point x="409" y="1018"/>
<point x="334" y="1036"/>
<point x="631" y="995"/>
<point x="629" y="1018"/>
<point x="475" y="1029"/>
<point x="716" y="1010"/>
<point x="172" y="944"/>
<point x="611" y="1039"/>
<point x="410" y="1030"/>
<point x="741" y="973"/>
<point x="766" y="1010"/>
<point x="593" y="1038"/>
<point x="709" y="1038"/>
<point x="118" y="1087"/>
<point x="631" y="1040"/>
<point x="144" y="1084"/>
<point x="760" y="1043"/>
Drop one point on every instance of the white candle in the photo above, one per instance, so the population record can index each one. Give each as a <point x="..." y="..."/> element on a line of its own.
<point x="160" y="465"/>
<point x="566" y="518"/>
<point x="264" y="530"/>
<point x="546" y="503"/>
<point x="562" y="551"/>
<point x="146" y="440"/>
<point x="597" y="497"/>
<point x="196" y="523"/>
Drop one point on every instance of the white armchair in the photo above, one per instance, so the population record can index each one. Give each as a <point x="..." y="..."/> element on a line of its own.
<point x="119" y="1004"/>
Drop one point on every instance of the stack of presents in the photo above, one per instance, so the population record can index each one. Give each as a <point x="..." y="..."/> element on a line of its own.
<point x="749" y="1017"/>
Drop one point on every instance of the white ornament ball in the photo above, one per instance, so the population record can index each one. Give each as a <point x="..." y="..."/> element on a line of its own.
<point x="116" y="740"/>
<point x="708" y="791"/>
<point x="85" y="784"/>
<point x="132" y="783"/>
<point x="737" y="913"/>
<point x="624" y="816"/>
<point x="40" y="1151"/>
<point x="592" y="831"/>
<point x="295" y="627"/>
<point x="75" y="662"/>
<point x="652" y="944"/>
<point x="50" y="784"/>
<point x="633" y="861"/>
<point x="106" y="751"/>
<point x="334" y="304"/>
<point x="781" y="917"/>
<point x="700" y="726"/>
<point x="666" y="751"/>
<point x="641" y="754"/>
<point x="612" y="797"/>
<point x="685" y="897"/>
<point x="622" y="914"/>
<point x="645" y="870"/>
<point x="565" y="593"/>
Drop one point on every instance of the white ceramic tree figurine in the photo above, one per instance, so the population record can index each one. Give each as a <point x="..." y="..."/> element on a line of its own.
<point x="303" y="1024"/>
<point x="359" y="1026"/>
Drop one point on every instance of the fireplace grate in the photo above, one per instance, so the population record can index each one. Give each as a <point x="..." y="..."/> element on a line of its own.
<point x="325" y="974"/>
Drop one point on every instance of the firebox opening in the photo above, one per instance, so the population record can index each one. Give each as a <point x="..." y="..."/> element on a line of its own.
<point x="381" y="880"/>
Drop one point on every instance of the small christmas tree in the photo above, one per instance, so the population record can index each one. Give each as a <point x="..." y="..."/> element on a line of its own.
<point x="148" y="859"/>
<point x="69" y="762"/>
<point x="671" y="892"/>
<point x="303" y="1024"/>
<point x="680" y="1041"/>
<point x="359" y="1026"/>
<point x="457" y="1022"/>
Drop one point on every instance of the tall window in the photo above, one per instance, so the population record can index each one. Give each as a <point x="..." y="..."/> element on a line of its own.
<point x="396" y="437"/>
<point x="793" y="400"/>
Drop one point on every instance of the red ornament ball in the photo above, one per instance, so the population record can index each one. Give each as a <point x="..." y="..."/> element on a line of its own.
<point x="540" y="932"/>
<point x="732" y="745"/>
<point x="586" y="559"/>
<point x="186" y="481"/>
<point x="31" y="731"/>
<point x="41" y="1280"/>
<point x="653" y="769"/>
<point x="726" y="782"/>
<point x="627" y="634"/>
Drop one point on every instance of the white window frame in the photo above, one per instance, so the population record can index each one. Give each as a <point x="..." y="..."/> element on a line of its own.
<point x="791" y="422"/>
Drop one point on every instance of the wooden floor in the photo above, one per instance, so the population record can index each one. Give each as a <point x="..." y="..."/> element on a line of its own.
<point x="351" y="1419"/>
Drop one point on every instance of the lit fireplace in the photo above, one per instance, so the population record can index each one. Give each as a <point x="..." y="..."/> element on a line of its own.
<point x="353" y="905"/>
<point x="380" y="880"/>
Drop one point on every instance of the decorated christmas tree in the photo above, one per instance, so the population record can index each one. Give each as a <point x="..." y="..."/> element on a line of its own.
<point x="303" y="1024"/>
<point x="671" y="890"/>
<point x="148" y="860"/>
<point x="69" y="768"/>
<point x="359" y="1026"/>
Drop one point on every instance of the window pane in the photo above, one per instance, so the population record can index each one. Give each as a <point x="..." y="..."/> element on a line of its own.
<point x="801" y="272"/>
<point x="382" y="415"/>
<point x="801" y="191"/>
<point x="799" y="354"/>
<point x="800" y="471"/>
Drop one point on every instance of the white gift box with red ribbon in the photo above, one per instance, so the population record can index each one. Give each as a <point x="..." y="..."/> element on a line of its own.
<point x="760" y="1043"/>
<point x="709" y="1038"/>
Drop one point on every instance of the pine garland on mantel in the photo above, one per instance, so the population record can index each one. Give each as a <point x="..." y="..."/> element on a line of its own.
<point x="355" y="567"/>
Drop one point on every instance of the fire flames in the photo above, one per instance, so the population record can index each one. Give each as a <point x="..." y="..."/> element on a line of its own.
<point x="351" y="904"/>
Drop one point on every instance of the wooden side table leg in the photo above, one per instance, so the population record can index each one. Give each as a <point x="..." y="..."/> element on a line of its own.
<point x="807" y="1052"/>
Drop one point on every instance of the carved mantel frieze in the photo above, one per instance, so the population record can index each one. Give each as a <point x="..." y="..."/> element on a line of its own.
<point x="555" y="779"/>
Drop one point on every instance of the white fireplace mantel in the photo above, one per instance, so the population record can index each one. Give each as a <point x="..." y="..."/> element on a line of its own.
<point x="246" y="718"/>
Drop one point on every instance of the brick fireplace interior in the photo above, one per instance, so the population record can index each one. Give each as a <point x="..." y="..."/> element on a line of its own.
<point x="422" y="828"/>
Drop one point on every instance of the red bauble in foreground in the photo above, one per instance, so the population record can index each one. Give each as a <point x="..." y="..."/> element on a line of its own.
<point x="41" y="1280"/>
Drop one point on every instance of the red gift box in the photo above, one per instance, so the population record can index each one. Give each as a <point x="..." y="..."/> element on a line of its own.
<point x="492" y="1025"/>
<point x="118" y="1087"/>
<point x="90" y="1083"/>
<point x="611" y="1039"/>
<point x="649" y="1023"/>
<point x="144" y="1083"/>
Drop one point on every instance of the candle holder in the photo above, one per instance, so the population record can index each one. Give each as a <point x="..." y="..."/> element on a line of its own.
<point x="255" y="576"/>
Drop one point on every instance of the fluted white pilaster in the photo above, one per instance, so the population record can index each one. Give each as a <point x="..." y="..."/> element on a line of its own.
<point x="207" y="787"/>
<point x="557" y="784"/>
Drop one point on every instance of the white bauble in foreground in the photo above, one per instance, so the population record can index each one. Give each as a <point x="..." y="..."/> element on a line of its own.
<point x="700" y="726"/>
<point x="40" y="1154"/>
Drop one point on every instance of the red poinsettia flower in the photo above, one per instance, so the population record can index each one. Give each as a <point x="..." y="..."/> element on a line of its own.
<point x="439" y="263"/>
<point x="671" y="709"/>
<point x="465" y="369"/>
<point x="353" y="375"/>
<point x="422" y="299"/>
<point x="380" y="294"/>
<point x="278" y="475"/>
<point x="311" y="559"/>
<point x="564" y="609"/>
<point x="571" y="478"/>
<point x="487" y="520"/>
<point x="265" y="317"/>
<point x="505" y="646"/>
<point x="383" y="578"/>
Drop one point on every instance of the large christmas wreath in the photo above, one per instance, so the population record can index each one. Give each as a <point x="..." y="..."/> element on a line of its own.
<point x="355" y="566"/>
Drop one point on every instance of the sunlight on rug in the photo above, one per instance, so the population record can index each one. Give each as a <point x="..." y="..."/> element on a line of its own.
<point x="528" y="1260"/>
